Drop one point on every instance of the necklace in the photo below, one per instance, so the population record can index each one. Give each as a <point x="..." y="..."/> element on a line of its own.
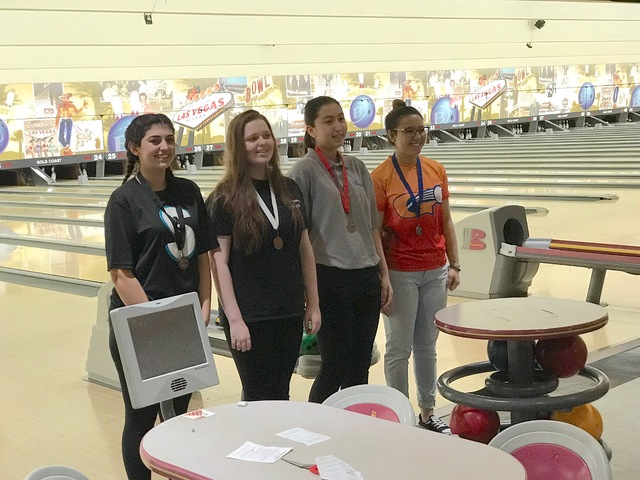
<point x="344" y="190"/>
<point x="415" y="201"/>
<point x="179" y="224"/>
<point x="274" y="219"/>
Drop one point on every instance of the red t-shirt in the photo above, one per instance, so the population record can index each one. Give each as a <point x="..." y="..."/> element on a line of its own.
<point x="404" y="249"/>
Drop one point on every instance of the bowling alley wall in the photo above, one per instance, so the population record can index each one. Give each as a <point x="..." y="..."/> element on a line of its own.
<point x="38" y="120"/>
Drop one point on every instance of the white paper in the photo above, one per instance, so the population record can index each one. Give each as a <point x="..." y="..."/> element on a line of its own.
<point x="301" y="435"/>
<point x="332" y="468"/>
<point x="252" y="452"/>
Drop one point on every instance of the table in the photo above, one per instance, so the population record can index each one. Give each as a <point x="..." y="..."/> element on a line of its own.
<point x="521" y="321"/>
<point x="182" y="448"/>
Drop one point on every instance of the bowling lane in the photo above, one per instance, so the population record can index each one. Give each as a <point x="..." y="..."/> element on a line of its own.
<point x="95" y="189"/>
<point x="68" y="189"/>
<point x="55" y="231"/>
<point x="48" y="260"/>
<point x="70" y="194"/>
<point x="64" y="264"/>
<point x="44" y="198"/>
<point x="50" y="213"/>
<point x="559" y="182"/>
<point x="536" y="172"/>
<point x="490" y="188"/>
<point x="521" y="194"/>
<point x="495" y="161"/>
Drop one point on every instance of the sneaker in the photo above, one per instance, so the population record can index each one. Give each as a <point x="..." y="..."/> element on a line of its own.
<point x="434" y="424"/>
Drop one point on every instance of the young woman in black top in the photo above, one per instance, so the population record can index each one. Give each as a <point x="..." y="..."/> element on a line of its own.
<point x="264" y="270"/>
<point x="157" y="235"/>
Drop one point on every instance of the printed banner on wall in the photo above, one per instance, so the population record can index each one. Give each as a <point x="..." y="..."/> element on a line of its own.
<point x="88" y="119"/>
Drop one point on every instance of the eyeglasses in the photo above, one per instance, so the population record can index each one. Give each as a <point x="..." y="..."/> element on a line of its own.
<point x="410" y="132"/>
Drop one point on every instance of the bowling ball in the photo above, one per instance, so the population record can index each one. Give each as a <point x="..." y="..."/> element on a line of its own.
<point x="115" y="138"/>
<point x="474" y="423"/>
<point x="362" y="111"/>
<point x="586" y="95"/>
<point x="443" y="112"/>
<point x="309" y="345"/>
<point x="4" y="136"/>
<point x="563" y="357"/>
<point x="497" y="353"/>
<point x="586" y="417"/>
<point x="635" y="97"/>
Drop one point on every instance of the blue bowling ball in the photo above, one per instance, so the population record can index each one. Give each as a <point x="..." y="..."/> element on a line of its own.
<point x="586" y="95"/>
<point x="635" y="97"/>
<point x="442" y="112"/>
<point x="362" y="111"/>
<point x="4" y="136"/>
<point x="115" y="138"/>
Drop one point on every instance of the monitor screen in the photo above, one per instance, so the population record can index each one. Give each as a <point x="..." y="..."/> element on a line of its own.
<point x="164" y="348"/>
<point x="170" y="332"/>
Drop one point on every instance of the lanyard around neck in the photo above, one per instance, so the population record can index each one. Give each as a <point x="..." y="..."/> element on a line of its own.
<point x="415" y="201"/>
<point x="179" y="224"/>
<point x="274" y="219"/>
<point x="344" y="191"/>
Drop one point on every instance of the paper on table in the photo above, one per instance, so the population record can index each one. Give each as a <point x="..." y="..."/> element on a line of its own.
<point x="301" y="435"/>
<point x="252" y="452"/>
<point x="331" y="467"/>
<point x="198" y="414"/>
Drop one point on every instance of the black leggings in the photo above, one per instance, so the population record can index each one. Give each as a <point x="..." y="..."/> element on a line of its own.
<point x="137" y="421"/>
<point x="350" y="308"/>
<point x="265" y="370"/>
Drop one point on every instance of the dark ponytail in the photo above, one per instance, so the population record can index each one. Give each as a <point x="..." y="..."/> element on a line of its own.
<point x="309" y="141"/>
<point x="131" y="163"/>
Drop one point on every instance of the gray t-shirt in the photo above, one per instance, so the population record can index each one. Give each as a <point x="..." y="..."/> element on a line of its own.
<point x="333" y="245"/>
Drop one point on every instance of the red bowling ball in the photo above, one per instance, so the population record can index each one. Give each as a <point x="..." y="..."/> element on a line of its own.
<point x="563" y="357"/>
<point x="474" y="423"/>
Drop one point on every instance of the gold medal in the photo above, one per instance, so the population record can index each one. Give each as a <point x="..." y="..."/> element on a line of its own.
<point x="183" y="263"/>
<point x="278" y="243"/>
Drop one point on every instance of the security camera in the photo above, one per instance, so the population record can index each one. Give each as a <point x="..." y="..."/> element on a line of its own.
<point x="539" y="24"/>
<point x="529" y="45"/>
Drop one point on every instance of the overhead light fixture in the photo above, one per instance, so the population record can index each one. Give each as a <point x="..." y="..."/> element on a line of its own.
<point x="148" y="19"/>
<point x="539" y="24"/>
<point x="529" y="45"/>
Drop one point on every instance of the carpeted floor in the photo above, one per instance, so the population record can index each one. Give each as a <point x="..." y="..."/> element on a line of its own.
<point x="621" y="368"/>
<point x="622" y="428"/>
<point x="619" y="408"/>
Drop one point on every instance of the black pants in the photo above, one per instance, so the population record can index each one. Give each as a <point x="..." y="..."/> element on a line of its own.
<point x="137" y="421"/>
<point x="265" y="370"/>
<point x="350" y="308"/>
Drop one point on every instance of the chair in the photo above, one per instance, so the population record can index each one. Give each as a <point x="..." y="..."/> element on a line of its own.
<point x="56" y="472"/>
<point x="552" y="449"/>
<point x="378" y="401"/>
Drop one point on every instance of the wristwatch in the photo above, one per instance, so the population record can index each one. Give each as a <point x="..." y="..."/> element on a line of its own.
<point x="455" y="266"/>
